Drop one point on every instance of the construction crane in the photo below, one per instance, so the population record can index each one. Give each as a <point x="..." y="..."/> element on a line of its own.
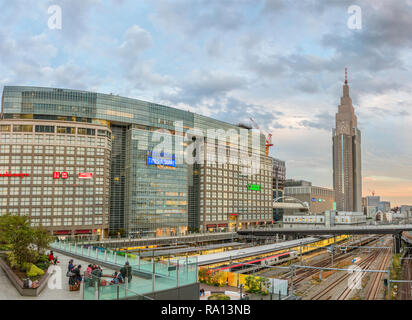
<point x="268" y="141"/>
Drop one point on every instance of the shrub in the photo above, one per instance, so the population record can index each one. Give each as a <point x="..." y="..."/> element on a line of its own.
<point x="43" y="258"/>
<point x="11" y="259"/>
<point x="25" y="267"/>
<point x="5" y="247"/>
<point x="42" y="265"/>
<point x="34" y="271"/>
<point x="218" y="296"/>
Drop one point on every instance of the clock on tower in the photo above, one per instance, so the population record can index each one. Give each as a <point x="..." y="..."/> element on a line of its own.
<point x="343" y="127"/>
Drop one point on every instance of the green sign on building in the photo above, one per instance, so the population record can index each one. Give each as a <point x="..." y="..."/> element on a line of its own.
<point x="253" y="187"/>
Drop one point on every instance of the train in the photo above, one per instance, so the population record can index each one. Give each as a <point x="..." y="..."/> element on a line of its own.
<point x="257" y="264"/>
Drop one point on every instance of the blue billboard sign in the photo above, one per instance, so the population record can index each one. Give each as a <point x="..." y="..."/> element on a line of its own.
<point x="161" y="159"/>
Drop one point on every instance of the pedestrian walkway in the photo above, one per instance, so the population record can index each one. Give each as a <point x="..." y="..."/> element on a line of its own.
<point x="9" y="292"/>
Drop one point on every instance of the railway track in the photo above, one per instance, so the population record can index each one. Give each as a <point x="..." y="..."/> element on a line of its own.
<point x="377" y="277"/>
<point x="303" y="274"/>
<point x="406" y="288"/>
<point x="364" y="264"/>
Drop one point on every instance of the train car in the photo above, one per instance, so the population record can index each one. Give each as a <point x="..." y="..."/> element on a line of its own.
<point x="257" y="264"/>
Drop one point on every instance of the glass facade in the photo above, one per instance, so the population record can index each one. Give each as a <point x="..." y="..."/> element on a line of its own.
<point x="148" y="197"/>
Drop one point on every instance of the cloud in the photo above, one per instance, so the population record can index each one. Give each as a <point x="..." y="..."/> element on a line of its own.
<point x="322" y="121"/>
<point x="191" y="18"/>
<point x="136" y="41"/>
<point x="202" y="85"/>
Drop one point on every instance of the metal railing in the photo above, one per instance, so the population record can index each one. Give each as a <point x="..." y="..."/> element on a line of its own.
<point x="104" y="288"/>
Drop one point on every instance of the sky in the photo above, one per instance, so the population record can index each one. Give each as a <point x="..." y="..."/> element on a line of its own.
<point x="279" y="61"/>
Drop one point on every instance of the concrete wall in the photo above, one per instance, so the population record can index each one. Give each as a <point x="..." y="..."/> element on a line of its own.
<point x="18" y="284"/>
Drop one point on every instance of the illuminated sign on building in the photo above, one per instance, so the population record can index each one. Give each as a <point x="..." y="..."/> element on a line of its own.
<point x="313" y="199"/>
<point x="161" y="158"/>
<point x="9" y="174"/>
<point x="253" y="187"/>
<point x="85" y="175"/>
<point x="60" y="175"/>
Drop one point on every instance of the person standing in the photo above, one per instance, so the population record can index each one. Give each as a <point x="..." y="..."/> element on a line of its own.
<point x="126" y="272"/>
<point x="88" y="275"/>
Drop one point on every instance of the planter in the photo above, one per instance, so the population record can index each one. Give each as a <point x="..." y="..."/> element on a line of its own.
<point x="18" y="283"/>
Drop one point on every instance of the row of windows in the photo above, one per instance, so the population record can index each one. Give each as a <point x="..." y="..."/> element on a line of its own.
<point x="90" y="161"/>
<point x="228" y="210"/>
<point x="47" y="181"/>
<point x="241" y="217"/>
<point x="57" y="222"/>
<point x="68" y="190"/>
<point x="236" y="167"/>
<point x="49" y="170"/>
<point x="53" y="129"/>
<point x="234" y="188"/>
<point x="80" y="151"/>
<point x="219" y="196"/>
<point x="47" y="201"/>
<point x="55" y="211"/>
<point x="261" y="176"/>
<point x="52" y="139"/>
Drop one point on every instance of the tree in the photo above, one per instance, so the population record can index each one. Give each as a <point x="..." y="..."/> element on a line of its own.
<point x="20" y="239"/>
<point x="9" y="224"/>
<point x="252" y="284"/>
<point x="16" y="231"/>
<point x="41" y="238"/>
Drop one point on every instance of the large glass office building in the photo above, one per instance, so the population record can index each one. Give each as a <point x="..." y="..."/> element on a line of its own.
<point x="97" y="155"/>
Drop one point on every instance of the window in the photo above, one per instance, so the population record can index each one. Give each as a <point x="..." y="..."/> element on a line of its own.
<point x="67" y="130"/>
<point x="46" y="129"/>
<point x="5" y="128"/>
<point x="22" y="128"/>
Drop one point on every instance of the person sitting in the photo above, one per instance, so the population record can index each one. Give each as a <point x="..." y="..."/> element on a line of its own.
<point x="88" y="274"/>
<point x="115" y="278"/>
<point x="120" y="277"/>
<point x="96" y="275"/>
<point x="75" y="278"/>
<point x="52" y="258"/>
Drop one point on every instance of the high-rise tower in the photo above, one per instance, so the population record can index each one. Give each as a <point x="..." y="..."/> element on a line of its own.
<point x="347" y="176"/>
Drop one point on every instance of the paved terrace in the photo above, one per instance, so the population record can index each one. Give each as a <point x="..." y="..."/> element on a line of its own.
<point x="9" y="292"/>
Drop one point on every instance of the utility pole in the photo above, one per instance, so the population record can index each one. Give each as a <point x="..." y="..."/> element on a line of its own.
<point x="292" y="271"/>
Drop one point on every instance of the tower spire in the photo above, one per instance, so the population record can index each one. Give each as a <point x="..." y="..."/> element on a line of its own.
<point x="346" y="75"/>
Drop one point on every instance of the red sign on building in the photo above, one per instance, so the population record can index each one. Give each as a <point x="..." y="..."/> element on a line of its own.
<point x="85" y="175"/>
<point x="60" y="175"/>
<point x="62" y="232"/>
<point x="83" y="231"/>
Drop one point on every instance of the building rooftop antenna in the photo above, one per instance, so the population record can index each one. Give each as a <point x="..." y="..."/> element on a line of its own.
<point x="346" y="75"/>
